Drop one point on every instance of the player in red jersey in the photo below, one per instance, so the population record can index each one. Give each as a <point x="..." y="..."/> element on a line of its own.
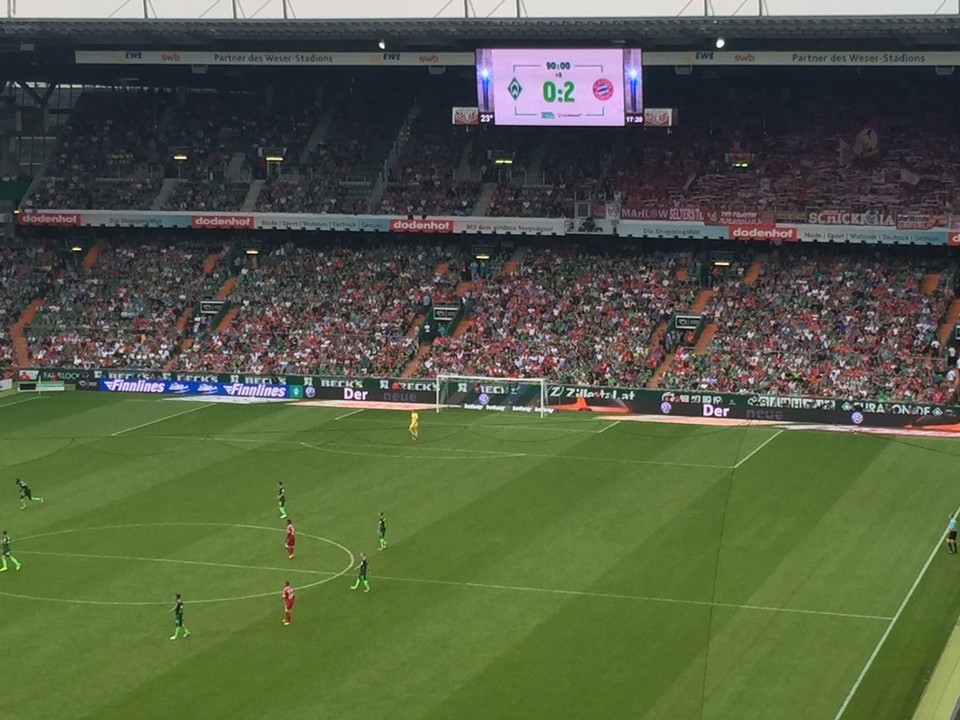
<point x="289" y="597"/>
<point x="291" y="538"/>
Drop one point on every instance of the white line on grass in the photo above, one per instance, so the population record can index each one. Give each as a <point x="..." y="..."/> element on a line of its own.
<point x="174" y="561"/>
<point x="352" y="412"/>
<point x="482" y="586"/>
<point x="893" y="621"/>
<point x="159" y="420"/>
<point x="758" y="449"/>
<point x="21" y="400"/>
<point x="481" y="426"/>
<point x="608" y="426"/>
<point x="337" y="449"/>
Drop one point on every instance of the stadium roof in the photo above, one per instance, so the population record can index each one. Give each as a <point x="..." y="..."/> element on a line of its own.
<point x="928" y="32"/>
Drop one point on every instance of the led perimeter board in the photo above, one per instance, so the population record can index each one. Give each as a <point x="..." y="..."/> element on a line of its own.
<point x="600" y="87"/>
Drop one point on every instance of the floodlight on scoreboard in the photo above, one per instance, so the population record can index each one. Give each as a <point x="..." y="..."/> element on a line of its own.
<point x="585" y="87"/>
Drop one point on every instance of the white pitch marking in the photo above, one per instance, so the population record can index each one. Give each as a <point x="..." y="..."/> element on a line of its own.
<point x="175" y="561"/>
<point x="329" y="574"/>
<point x="426" y="581"/>
<point x="893" y="621"/>
<point x="638" y="598"/>
<point x="159" y="420"/>
<point x="21" y="400"/>
<point x="608" y="426"/>
<point x="346" y="415"/>
<point x="758" y="449"/>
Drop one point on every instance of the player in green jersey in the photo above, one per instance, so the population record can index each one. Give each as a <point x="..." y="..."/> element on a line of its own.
<point x="26" y="496"/>
<point x="282" y="500"/>
<point x="382" y="531"/>
<point x="362" y="574"/>
<point x="177" y="611"/>
<point x="5" y="552"/>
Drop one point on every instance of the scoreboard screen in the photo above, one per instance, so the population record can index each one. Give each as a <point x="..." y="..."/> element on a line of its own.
<point x="600" y="87"/>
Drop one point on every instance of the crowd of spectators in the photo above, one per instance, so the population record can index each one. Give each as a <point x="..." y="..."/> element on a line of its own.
<point x="337" y="176"/>
<point x="814" y="322"/>
<point x="424" y="180"/>
<point x="850" y="326"/>
<point x="540" y="201"/>
<point x="82" y="192"/>
<point x="207" y="194"/>
<point x="570" y="315"/>
<point x="338" y="309"/>
<point x="27" y="268"/>
<point x="816" y="145"/>
<point x="123" y="311"/>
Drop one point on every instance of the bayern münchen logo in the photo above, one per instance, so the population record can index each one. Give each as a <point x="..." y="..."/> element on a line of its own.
<point x="603" y="89"/>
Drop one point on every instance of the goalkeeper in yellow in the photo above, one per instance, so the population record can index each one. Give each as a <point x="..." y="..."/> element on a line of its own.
<point x="415" y="425"/>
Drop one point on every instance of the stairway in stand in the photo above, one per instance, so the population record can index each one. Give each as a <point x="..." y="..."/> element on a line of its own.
<point x="17" y="334"/>
<point x="949" y="322"/>
<point x="753" y="273"/>
<point x="705" y="337"/>
<point x="209" y="265"/>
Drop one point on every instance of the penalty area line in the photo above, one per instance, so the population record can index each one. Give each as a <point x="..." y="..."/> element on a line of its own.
<point x="759" y="448"/>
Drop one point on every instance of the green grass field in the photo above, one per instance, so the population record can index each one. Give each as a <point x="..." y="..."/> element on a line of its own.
<point x="557" y="568"/>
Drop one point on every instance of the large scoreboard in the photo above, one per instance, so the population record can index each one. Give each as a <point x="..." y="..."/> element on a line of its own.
<point x="599" y="87"/>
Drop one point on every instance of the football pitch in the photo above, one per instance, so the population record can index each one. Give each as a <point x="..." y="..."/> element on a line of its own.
<point x="564" y="567"/>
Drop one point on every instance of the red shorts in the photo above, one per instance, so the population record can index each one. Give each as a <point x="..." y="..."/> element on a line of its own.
<point x="289" y="604"/>
<point x="290" y="543"/>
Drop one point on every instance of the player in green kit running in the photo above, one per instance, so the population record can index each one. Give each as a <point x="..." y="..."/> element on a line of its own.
<point x="5" y="552"/>
<point x="362" y="575"/>
<point x="382" y="531"/>
<point x="25" y="495"/>
<point x="952" y="534"/>
<point x="177" y="611"/>
<point x="282" y="500"/>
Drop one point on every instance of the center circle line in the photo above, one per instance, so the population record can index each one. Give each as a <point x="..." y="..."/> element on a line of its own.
<point x="330" y="575"/>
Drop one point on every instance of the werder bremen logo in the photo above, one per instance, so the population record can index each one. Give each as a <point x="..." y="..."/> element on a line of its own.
<point x="515" y="88"/>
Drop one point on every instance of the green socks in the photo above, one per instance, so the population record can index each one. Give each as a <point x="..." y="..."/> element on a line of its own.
<point x="383" y="543"/>
<point x="15" y="563"/>
<point x="366" y="585"/>
<point x="176" y="633"/>
<point x="283" y="512"/>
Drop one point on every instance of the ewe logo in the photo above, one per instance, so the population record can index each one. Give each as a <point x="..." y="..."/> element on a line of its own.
<point x="484" y="399"/>
<point x="177" y="387"/>
<point x="857" y="418"/>
<point x="666" y="408"/>
<point x="310" y="391"/>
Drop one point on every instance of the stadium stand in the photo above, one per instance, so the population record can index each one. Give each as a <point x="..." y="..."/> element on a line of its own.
<point x="570" y="314"/>
<point x="813" y="324"/>
<point x="126" y="310"/>
<point x="327" y="310"/>
<point x="27" y="267"/>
